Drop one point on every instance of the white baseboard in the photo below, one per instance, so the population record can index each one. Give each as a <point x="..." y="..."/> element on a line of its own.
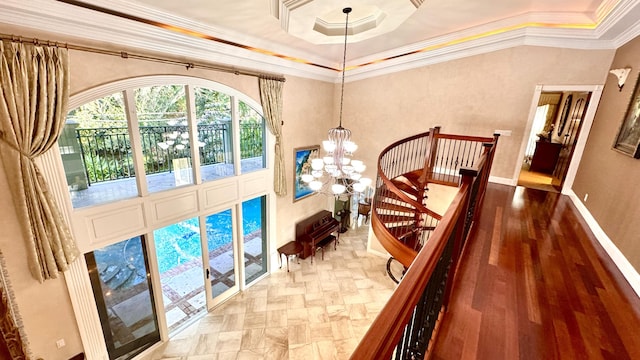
<point x="627" y="270"/>
<point x="503" y="181"/>
<point x="377" y="253"/>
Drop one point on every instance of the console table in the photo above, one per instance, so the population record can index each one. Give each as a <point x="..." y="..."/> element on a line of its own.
<point x="289" y="249"/>
<point x="545" y="157"/>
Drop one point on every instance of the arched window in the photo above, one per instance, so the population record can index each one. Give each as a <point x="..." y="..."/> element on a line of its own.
<point x="168" y="186"/>
<point x="153" y="138"/>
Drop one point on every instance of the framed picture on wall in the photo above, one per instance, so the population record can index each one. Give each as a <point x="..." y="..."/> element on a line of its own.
<point x="628" y="140"/>
<point x="302" y="161"/>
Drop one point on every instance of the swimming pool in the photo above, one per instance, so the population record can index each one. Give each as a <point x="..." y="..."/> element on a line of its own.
<point x="180" y="243"/>
<point x="176" y="244"/>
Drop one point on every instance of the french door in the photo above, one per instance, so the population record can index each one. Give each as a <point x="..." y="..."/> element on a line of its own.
<point x="121" y="283"/>
<point x="196" y="265"/>
<point x="221" y="271"/>
<point x="199" y="261"/>
<point x="202" y="260"/>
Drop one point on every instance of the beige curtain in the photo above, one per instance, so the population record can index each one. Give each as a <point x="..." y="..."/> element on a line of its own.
<point x="34" y="89"/>
<point x="271" y="98"/>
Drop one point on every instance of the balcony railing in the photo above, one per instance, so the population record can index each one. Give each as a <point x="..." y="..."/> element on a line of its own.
<point x="106" y="153"/>
<point x="404" y="328"/>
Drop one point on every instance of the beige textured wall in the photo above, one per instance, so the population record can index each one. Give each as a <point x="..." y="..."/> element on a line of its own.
<point x="45" y="308"/>
<point x="471" y="96"/>
<point x="611" y="178"/>
<point x="307" y="116"/>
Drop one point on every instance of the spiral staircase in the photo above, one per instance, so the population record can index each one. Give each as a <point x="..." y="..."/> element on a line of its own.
<point x="402" y="219"/>
<point x="429" y="245"/>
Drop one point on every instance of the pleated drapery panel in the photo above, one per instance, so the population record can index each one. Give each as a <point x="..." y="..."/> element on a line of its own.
<point x="271" y="99"/>
<point x="34" y="90"/>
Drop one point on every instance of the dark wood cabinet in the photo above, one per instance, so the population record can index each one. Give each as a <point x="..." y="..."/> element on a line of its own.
<point x="545" y="157"/>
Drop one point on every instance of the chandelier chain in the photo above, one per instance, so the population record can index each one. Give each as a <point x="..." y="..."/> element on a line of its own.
<point x="337" y="171"/>
<point x="344" y="59"/>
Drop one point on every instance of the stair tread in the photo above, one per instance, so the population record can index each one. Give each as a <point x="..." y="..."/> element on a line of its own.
<point x="394" y="218"/>
<point x="395" y="207"/>
<point x="388" y="195"/>
<point x="414" y="176"/>
<point x="407" y="188"/>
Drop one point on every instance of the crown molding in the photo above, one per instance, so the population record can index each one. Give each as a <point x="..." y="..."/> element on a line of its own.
<point x="627" y="35"/>
<point x="625" y="13"/>
<point x="619" y="24"/>
<point x="567" y="38"/>
<point x="87" y="25"/>
<point x="437" y="55"/>
<point x="495" y="32"/>
<point x="608" y="6"/>
<point x="153" y="14"/>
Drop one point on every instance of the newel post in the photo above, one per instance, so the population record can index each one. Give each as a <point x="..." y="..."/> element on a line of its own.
<point x="430" y="158"/>
<point x="467" y="178"/>
<point x="489" y="152"/>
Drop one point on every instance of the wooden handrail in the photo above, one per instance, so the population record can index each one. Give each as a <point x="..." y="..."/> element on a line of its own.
<point x="384" y="333"/>
<point x="404" y="254"/>
<point x="480" y="139"/>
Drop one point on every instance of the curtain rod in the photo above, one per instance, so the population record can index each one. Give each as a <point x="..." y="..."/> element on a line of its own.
<point x="128" y="55"/>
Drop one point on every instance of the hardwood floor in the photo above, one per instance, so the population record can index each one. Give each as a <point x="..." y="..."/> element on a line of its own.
<point x="535" y="284"/>
<point x="535" y="180"/>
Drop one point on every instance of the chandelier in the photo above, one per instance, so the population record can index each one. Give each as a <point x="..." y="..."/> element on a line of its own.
<point x="337" y="172"/>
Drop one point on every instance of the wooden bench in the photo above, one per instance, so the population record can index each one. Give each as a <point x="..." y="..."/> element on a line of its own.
<point x="326" y="241"/>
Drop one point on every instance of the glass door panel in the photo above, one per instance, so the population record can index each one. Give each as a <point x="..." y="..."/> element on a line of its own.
<point x="254" y="238"/>
<point x="179" y="255"/>
<point x="122" y="287"/>
<point x="221" y="254"/>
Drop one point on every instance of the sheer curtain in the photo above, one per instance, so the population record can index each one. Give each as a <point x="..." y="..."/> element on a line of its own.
<point x="538" y="126"/>
<point x="271" y="99"/>
<point x="34" y="89"/>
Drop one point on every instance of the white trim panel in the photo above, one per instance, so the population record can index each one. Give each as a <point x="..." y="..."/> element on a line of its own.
<point x="253" y="186"/>
<point x="118" y="223"/>
<point x="173" y="208"/>
<point x="220" y="195"/>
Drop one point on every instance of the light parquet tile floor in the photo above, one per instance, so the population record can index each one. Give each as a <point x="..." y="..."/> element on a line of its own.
<point x="316" y="311"/>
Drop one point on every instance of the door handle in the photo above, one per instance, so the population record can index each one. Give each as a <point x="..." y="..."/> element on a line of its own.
<point x="207" y="273"/>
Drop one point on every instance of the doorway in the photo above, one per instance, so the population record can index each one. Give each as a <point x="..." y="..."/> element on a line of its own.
<point x="557" y="129"/>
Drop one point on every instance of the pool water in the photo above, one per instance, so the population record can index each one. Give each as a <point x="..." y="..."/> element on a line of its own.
<point x="176" y="244"/>
<point x="180" y="243"/>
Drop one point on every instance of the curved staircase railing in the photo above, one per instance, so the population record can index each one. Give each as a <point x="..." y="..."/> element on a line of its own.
<point x="426" y="243"/>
